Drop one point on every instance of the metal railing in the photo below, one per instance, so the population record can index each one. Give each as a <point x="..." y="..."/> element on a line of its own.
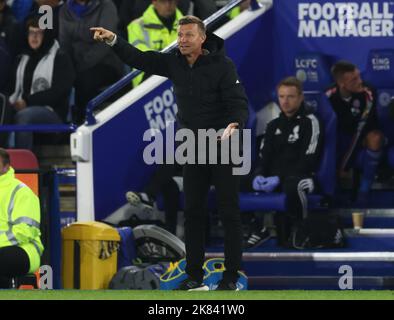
<point x="39" y="127"/>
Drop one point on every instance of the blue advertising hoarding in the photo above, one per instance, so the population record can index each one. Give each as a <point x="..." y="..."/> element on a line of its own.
<point x="333" y="29"/>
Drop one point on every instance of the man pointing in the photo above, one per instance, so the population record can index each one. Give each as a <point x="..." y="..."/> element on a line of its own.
<point x="209" y="96"/>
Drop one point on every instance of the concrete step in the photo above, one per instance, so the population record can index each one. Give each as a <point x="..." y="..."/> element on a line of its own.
<point x="334" y="282"/>
<point x="373" y="218"/>
<point x="368" y="258"/>
<point x="317" y="270"/>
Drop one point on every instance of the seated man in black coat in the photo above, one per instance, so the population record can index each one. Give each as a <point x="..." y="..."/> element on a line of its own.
<point x="288" y="160"/>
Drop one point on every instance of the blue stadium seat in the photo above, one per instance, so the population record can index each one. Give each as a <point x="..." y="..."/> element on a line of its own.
<point x="313" y="69"/>
<point x="380" y="74"/>
<point x="326" y="175"/>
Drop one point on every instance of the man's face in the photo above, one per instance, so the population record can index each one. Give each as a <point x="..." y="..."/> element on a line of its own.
<point x="35" y="37"/>
<point x="190" y="39"/>
<point x="289" y="99"/>
<point x="351" y="82"/>
<point x="165" y="8"/>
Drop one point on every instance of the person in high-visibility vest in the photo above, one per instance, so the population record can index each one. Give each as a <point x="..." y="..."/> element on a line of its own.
<point x="236" y="11"/>
<point x="20" y="243"/>
<point x="155" y="29"/>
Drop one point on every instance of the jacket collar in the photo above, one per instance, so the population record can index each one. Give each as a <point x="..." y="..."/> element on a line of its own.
<point x="213" y="46"/>
<point x="7" y="178"/>
<point x="301" y="112"/>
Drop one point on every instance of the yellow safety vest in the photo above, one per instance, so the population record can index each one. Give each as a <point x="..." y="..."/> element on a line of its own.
<point x="234" y="12"/>
<point x="20" y="218"/>
<point x="149" y="33"/>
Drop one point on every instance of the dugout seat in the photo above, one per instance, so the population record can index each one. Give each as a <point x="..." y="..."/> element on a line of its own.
<point x="326" y="174"/>
<point x="23" y="159"/>
<point x="380" y="74"/>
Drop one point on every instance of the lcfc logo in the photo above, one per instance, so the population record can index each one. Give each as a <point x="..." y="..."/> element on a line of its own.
<point x="306" y="63"/>
<point x="295" y="135"/>
<point x="306" y="70"/>
<point x="301" y="75"/>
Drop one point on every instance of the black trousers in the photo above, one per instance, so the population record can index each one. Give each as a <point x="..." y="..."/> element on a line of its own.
<point x="295" y="188"/>
<point x="197" y="179"/>
<point x="14" y="261"/>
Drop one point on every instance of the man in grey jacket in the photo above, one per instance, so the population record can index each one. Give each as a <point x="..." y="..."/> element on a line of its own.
<point x="96" y="65"/>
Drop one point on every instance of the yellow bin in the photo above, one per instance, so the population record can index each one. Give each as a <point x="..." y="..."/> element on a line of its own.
<point x="90" y="254"/>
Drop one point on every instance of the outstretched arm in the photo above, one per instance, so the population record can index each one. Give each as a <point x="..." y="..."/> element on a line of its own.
<point x="151" y="62"/>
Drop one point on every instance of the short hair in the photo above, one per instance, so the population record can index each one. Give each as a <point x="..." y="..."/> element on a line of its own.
<point x="342" y="67"/>
<point x="33" y="22"/>
<point x="291" y="82"/>
<point x="4" y="156"/>
<point x="193" y="20"/>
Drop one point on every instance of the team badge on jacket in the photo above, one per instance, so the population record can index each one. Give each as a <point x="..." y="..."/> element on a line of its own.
<point x="294" y="136"/>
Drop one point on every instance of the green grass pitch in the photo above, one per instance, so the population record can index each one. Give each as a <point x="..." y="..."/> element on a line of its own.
<point x="210" y="295"/>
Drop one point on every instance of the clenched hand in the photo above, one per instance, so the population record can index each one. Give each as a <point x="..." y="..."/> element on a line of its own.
<point x="101" y="34"/>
